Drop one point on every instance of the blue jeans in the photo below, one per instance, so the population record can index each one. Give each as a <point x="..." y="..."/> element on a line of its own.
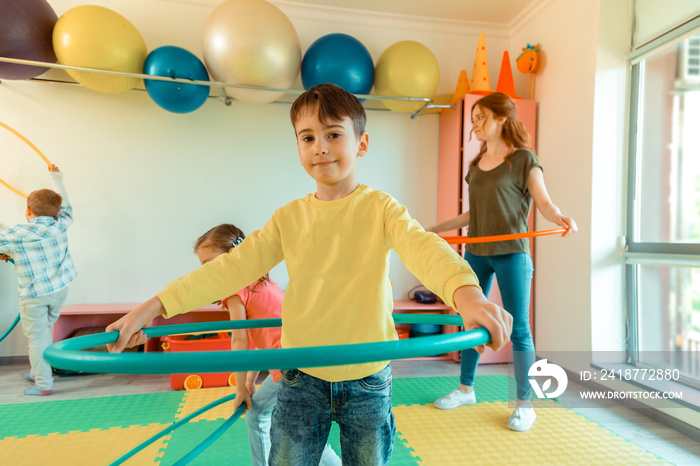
<point x="306" y="406"/>
<point x="257" y="420"/>
<point x="514" y="275"/>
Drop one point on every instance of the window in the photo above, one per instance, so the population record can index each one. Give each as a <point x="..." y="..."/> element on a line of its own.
<point x="663" y="230"/>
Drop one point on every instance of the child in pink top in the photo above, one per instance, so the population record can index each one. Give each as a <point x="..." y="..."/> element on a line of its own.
<point x="260" y="300"/>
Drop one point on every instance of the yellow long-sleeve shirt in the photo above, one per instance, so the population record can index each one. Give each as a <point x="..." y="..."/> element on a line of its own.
<point x="337" y="256"/>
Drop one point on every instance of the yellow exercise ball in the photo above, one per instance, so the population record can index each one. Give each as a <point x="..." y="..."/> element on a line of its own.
<point x="96" y="37"/>
<point x="251" y="42"/>
<point x="406" y="69"/>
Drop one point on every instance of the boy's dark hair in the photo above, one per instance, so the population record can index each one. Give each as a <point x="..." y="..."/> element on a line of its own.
<point x="334" y="103"/>
<point x="44" y="203"/>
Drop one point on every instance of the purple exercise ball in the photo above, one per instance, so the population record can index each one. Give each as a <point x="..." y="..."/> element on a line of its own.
<point x="26" y="28"/>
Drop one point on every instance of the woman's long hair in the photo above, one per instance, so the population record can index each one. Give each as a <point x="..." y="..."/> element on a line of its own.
<point x="514" y="132"/>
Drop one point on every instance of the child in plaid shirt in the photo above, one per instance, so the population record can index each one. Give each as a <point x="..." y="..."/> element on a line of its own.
<point x="44" y="268"/>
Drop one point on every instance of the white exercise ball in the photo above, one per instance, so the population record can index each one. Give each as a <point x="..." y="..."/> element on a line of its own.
<point x="251" y="42"/>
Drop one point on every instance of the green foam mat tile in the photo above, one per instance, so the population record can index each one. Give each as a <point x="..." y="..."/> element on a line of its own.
<point x="65" y="416"/>
<point x="403" y="454"/>
<point x="425" y="390"/>
<point x="231" y="448"/>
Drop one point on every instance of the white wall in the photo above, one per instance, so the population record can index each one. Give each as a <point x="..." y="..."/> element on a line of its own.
<point x="146" y="183"/>
<point x="564" y="89"/>
<point x="582" y="97"/>
<point x="608" y="312"/>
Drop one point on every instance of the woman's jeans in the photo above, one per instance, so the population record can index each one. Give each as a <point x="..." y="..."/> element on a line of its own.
<point x="514" y="275"/>
<point x="306" y="407"/>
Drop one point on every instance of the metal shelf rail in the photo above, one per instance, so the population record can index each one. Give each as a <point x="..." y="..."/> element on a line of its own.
<point x="427" y="102"/>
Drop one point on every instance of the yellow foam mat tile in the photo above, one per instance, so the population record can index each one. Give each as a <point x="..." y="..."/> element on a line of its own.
<point x="83" y="448"/>
<point x="193" y="400"/>
<point x="478" y="434"/>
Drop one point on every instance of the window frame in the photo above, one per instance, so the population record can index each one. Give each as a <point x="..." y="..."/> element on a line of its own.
<point x="638" y="253"/>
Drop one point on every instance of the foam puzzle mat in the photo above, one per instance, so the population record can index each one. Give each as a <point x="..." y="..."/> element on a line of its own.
<point x="97" y="431"/>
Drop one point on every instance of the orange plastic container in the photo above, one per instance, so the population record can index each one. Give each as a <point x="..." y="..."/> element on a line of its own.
<point x="212" y="342"/>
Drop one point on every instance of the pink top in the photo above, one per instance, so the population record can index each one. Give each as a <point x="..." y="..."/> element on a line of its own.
<point x="264" y="302"/>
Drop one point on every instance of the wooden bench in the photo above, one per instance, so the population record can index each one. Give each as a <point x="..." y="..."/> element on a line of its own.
<point x="100" y="315"/>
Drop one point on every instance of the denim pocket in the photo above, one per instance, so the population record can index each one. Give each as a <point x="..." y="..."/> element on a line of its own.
<point x="377" y="382"/>
<point x="291" y="377"/>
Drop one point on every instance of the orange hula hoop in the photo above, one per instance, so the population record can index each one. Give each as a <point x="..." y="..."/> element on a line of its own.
<point x="30" y="144"/>
<point x="491" y="239"/>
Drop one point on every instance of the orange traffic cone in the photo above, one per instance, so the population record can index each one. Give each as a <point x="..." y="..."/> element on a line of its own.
<point x="480" y="75"/>
<point x="462" y="87"/>
<point x="505" y="78"/>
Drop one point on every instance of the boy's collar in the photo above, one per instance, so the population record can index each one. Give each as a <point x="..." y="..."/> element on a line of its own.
<point x="315" y="200"/>
<point x="42" y="219"/>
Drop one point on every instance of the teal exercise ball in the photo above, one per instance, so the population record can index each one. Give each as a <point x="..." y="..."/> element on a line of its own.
<point x="339" y="59"/>
<point x="175" y="62"/>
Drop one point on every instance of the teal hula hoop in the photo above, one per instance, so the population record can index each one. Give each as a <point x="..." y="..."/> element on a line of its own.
<point x="199" y="448"/>
<point x="10" y="328"/>
<point x="68" y="354"/>
<point x="16" y="321"/>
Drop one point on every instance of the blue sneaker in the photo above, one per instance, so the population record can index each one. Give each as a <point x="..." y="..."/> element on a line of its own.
<point x="28" y="377"/>
<point x="36" y="392"/>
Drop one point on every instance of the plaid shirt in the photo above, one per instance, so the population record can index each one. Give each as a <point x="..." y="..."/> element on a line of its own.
<point x="40" y="251"/>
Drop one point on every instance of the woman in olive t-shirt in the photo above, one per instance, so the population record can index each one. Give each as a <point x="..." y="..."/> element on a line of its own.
<point x="503" y="180"/>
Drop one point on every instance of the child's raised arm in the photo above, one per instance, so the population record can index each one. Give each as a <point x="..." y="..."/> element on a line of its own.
<point x="56" y="176"/>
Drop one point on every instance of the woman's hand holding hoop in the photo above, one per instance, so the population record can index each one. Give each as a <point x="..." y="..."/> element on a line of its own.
<point x="569" y="224"/>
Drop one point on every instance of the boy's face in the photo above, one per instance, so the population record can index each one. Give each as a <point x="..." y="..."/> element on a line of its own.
<point x="329" y="153"/>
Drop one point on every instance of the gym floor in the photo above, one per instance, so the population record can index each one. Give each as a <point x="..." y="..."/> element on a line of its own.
<point x="657" y="439"/>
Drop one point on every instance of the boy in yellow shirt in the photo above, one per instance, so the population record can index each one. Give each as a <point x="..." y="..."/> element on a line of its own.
<point x="336" y="245"/>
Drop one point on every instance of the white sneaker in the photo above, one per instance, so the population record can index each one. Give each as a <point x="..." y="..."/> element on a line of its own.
<point x="329" y="457"/>
<point x="455" y="399"/>
<point x="522" y="419"/>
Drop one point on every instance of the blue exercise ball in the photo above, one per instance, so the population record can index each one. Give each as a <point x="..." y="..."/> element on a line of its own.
<point x="339" y="59"/>
<point x="176" y="62"/>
